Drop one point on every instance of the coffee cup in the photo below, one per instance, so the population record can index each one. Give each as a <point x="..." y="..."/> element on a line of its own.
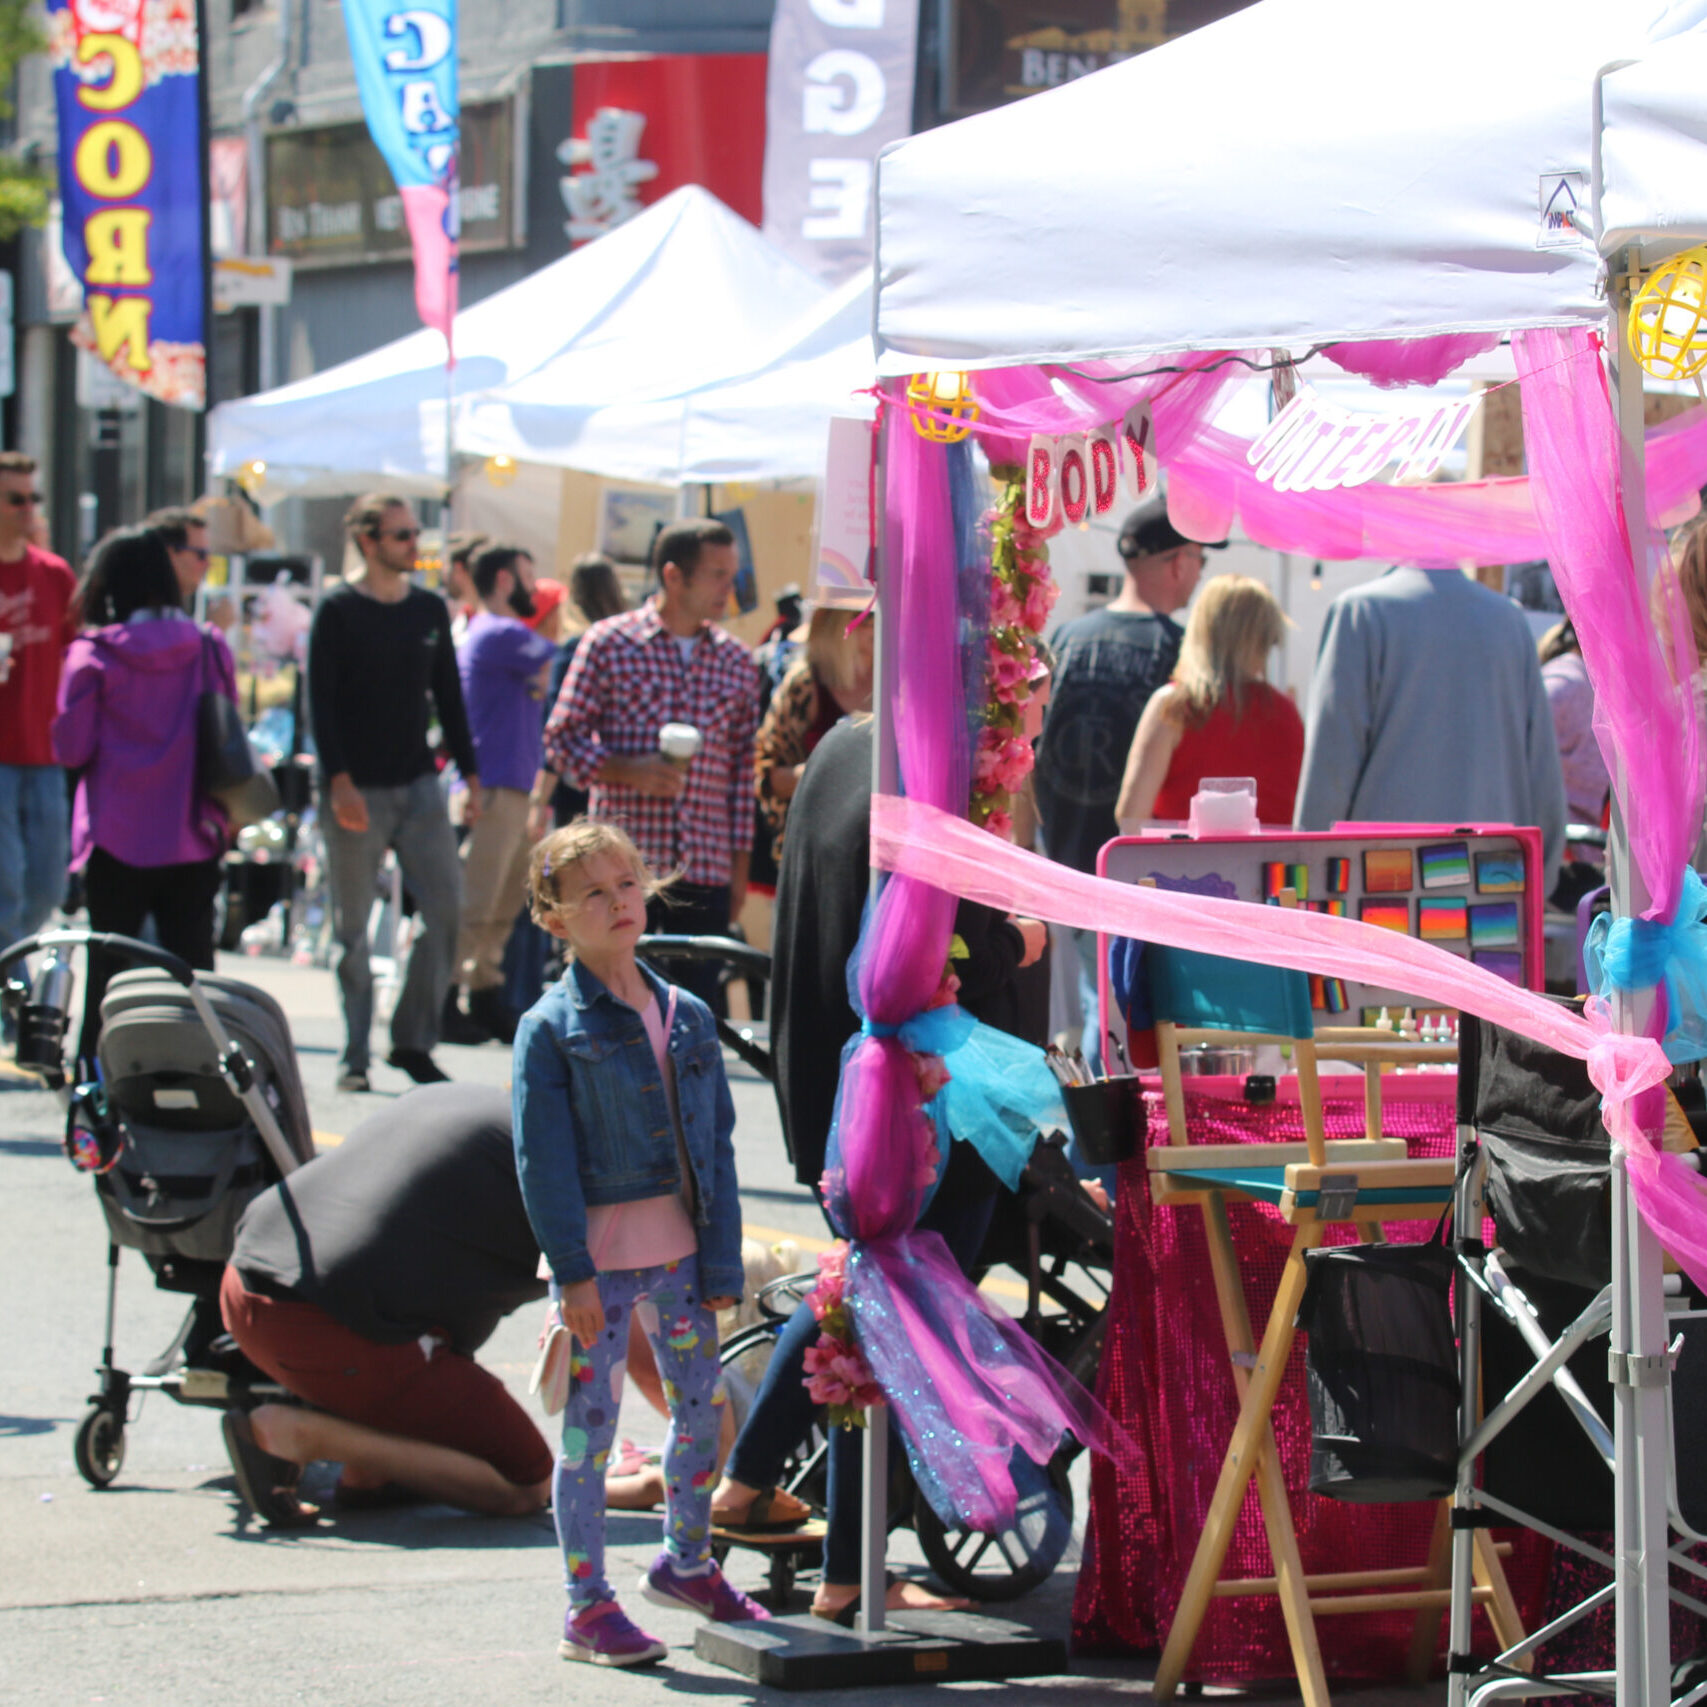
<point x="680" y="743"/>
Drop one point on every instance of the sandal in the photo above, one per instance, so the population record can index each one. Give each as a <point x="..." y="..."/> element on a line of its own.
<point x="267" y="1485"/>
<point x="630" y="1459"/>
<point x="758" y="1518"/>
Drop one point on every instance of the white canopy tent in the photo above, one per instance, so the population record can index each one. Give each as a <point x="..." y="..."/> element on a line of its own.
<point x="1184" y="200"/>
<point x="687" y="292"/>
<point x="769" y="422"/>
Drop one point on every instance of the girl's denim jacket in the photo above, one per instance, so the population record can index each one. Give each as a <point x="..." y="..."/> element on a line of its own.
<point x="592" y="1125"/>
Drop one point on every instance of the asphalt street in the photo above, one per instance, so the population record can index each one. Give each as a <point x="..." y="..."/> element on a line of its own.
<point x="161" y="1590"/>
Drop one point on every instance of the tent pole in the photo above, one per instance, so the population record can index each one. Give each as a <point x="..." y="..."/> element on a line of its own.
<point x="1638" y="1308"/>
<point x="885" y="779"/>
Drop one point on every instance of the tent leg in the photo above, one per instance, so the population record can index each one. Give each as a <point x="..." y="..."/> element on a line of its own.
<point x="1638" y="1303"/>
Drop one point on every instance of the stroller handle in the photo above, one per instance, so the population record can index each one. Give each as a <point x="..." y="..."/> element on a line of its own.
<point x="127" y="947"/>
<point x="740" y="956"/>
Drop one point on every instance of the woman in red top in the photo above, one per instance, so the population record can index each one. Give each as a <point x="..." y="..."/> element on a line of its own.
<point x="1217" y="717"/>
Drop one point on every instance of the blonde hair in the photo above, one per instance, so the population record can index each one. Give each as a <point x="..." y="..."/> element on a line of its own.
<point x="837" y="654"/>
<point x="1233" y="626"/>
<point x="576" y="843"/>
<point x="1690" y="556"/>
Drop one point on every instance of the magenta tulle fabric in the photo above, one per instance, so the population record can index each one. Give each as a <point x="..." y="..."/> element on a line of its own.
<point x="909" y="837"/>
<point x="1392" y="362"/>
<point x="967" y="1385"/>
<point x="1638" y="647"/>
<point x="1211" y="484"/>
<point x="1018" y="402"/>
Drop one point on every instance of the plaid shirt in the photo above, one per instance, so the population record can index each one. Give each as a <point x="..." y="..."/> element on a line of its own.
<point x="626" y="682"/>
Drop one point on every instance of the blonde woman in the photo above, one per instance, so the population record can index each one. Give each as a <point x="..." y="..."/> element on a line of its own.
<point x="1217" y="717"/>
<point x="830" y="679"/>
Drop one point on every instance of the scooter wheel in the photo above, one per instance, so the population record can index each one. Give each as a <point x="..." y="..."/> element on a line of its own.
<point x="99" y="1447"/>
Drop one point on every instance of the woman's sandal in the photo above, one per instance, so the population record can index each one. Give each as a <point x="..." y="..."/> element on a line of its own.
<point x="267" y="1485"/>
<point x="757" y="1519"/>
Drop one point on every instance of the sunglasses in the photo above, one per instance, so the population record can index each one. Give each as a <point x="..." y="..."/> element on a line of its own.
<point x="401" y="533"/>
<point x="22" y="500"/>
<point x="200" y="551"/>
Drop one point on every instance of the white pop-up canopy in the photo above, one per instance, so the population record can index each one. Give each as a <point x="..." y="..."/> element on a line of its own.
<point x="1317" y="171"/>
<point x="686" y="291"/>
<point x="770" y="422"/>
<point x="1303" y="172"/>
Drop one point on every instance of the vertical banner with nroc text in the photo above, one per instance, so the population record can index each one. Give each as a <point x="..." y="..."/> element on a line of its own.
<point x="127" y="83"/>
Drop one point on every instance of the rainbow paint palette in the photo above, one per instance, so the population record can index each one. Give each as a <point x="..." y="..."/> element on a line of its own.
<point x="1443" y="920"/>
<point x="1499" y="874"/>
<point x="1386" y="871"/>
<point x="1389" y="915"/>
<point x="1277" y="875"/>
<point x="1455" y="889"/>
<point x="1444" y="865"/>
<point x="1494" y="926"/>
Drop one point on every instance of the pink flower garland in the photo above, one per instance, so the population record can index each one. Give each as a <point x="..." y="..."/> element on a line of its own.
<point x="836" y="1374"/>
<point x="1021" y="598"/>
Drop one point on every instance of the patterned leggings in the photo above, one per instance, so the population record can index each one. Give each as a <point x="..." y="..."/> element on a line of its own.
<point x="684" y="1340"/>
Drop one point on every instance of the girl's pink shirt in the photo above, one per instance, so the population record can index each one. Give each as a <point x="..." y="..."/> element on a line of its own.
<point x="653" y="1230"/>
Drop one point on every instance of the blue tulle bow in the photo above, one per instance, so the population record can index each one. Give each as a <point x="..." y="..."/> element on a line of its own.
<point x="1000" y="1091"/>
<point x="1638" y="954"/>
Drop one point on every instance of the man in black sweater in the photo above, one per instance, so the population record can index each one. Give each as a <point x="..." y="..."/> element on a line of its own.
<point x="380" y="660"/>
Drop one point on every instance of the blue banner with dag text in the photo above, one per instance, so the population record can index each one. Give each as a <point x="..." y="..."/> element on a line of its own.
<point x="405" y="60"/>
<point x="127" y="82"/>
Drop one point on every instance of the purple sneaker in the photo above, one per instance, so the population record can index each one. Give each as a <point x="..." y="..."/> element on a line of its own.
<point x="711" y="1594"/>
<point x="604" y="1635"/>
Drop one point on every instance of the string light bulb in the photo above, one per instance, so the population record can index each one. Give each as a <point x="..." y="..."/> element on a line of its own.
<point x="1668" y="319"/>
<point x="500" y="469"/>
<point x="933" y="396"/>
<point x="252" y="476"/>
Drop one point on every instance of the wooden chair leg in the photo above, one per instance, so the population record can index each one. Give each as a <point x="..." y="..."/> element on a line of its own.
<point x="1237" y="1468"/>
<point x="1502" y="1608"/>
<point x="1425" y="1633"/>
<point x="1290" y="1587"/>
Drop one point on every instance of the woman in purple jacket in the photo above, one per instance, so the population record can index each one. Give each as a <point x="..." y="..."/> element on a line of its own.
<point x="146" y="841"/>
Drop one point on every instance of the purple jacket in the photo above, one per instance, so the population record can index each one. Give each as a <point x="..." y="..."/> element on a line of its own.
<point x="127" y="719"/>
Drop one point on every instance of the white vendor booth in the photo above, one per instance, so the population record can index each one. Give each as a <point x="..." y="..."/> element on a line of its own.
<point x="1311" y="172"/>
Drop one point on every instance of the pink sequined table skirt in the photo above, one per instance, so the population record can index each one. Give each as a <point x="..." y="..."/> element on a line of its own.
<point x="1165" y="1377"/>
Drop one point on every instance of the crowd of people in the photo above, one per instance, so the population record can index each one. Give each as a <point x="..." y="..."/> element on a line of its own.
<point x="618" y="771"/>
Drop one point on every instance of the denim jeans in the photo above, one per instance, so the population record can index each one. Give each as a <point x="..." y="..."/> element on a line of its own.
<point x="783" y="1410"/>
<point x="413" y="821"/>
<point x="35" y="847"/>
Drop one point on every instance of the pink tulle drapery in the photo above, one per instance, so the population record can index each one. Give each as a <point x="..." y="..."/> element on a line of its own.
<point x="968" y="1387"/>
<point x="1393" y="362"/>
<point x="1211" y="484"/>
<point x="913" y="840"/>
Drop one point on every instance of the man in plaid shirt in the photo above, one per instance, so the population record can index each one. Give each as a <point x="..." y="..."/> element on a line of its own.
<point x="632" y="674"/>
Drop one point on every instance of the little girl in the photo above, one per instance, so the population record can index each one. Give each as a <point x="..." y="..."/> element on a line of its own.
<point x="622" y="1121"/>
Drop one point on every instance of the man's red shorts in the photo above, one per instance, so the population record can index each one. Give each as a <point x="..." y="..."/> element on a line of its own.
<point x="444" y="1397"/>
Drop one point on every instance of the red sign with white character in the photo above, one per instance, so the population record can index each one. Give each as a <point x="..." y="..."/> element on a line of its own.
<point x="644" y="127"/>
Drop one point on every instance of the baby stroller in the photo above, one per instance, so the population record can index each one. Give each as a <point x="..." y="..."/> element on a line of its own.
<point x="193" y="1107"/>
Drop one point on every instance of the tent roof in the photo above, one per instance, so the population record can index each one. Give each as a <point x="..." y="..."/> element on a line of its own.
<point x="625" y="317"/>
<point x="1302" y="172"/>
<point x="770" y="422"/>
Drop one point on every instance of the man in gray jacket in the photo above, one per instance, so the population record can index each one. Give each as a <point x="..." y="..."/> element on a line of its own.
<point x="1427" y="707"/>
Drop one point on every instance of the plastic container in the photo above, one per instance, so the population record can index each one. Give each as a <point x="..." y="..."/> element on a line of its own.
<point x="1224" y="806"/>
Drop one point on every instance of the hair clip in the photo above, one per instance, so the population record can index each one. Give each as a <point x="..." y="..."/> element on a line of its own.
<point x="545" y="870"/>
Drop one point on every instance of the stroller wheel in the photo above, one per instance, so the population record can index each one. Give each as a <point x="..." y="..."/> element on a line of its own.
<point x="1004" y="1566"/>
<point x="99" y="1447"/>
